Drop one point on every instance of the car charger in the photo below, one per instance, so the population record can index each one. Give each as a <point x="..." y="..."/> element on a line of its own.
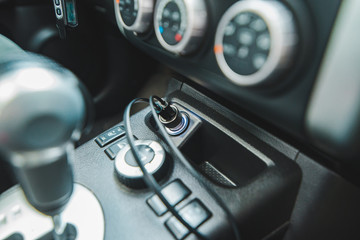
<point x="175" y="121"/>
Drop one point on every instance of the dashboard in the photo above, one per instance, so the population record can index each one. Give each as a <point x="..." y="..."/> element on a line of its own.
<point x="264" y="57"/>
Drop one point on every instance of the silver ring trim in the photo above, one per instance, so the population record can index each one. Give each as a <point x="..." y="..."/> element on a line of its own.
<point x="38" y="158"/>
<point x="283" y="36"/>
<point x="143" y="19"/>
<point x="179" y="129"/>
<point x="196" y="26"/>
<point x="163" y="121"/>
<point x="124" y="169"/>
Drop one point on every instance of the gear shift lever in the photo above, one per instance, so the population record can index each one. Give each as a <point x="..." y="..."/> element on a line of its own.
<point x="42" y="113"/>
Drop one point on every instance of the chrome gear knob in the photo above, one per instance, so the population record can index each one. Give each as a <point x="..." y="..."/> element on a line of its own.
<point x="42" y="113"/>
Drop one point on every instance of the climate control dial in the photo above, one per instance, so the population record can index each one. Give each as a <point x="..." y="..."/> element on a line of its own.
<point x="255" y="41"/>
<point x="180" y="24"/>
<point x="134" y="15"/>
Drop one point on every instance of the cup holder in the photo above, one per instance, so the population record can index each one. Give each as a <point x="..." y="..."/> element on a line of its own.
<point x="222" y="159"/>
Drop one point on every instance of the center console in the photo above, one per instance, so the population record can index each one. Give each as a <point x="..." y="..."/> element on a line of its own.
<point x="252" y="171"/>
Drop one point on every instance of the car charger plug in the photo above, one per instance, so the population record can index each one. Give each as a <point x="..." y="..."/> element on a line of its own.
<point x="175" y="121"/>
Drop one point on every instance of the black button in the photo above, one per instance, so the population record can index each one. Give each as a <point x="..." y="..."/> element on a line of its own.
<point x="178" y="230"/>
<point x="57" y="2"/>
<point x="58" y="11"/>
<point x="114" y="149"/>
<point x="194" y="213"/>
<point x="175" y="192"/>
<point x="110" y="135"/>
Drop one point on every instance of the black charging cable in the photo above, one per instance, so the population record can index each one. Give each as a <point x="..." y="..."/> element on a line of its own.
<point x="150" y="180"/>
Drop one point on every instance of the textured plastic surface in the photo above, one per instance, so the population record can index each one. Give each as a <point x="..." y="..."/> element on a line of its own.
<point x="327" y="206"/>
<point x="255" y="205"/>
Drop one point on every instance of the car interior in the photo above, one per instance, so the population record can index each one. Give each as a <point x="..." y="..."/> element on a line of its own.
<point x="179" y="119"/>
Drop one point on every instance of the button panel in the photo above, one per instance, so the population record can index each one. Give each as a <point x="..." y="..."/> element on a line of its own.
<point x="115" y="148"/>
<point x="175" y="192"/>
<point x="110" y="135"/>
<point x="176" y="228"/>
<point x="58" y="9"/>
<point x="58" y="12"/>
<point x="194" y="213"/>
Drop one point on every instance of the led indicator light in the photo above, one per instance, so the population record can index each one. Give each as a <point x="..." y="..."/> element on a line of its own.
<point x="178" y="37"/>
<point x="161" y="29"/>
<point x="218" y="49"/>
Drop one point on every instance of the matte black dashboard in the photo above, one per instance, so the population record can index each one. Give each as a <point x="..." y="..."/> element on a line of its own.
<point x="286" y="98"/>
<point x="283" y="103"/>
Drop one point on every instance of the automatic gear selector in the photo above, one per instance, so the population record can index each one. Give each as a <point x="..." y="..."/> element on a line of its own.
<point x="42" y="114"/>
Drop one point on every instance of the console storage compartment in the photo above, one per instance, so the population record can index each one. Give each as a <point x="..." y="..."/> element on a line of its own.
<point x="221" y="158"/>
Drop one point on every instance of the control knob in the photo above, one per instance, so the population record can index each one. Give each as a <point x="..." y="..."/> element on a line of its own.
<point x="255" y="41"/>
<point x="134" y="15"/>
<point x="180" y="24"/>
<point x="153" y="158"/>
